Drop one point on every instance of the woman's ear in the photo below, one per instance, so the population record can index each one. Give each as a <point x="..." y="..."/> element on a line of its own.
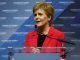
<point x="49" y="18"/>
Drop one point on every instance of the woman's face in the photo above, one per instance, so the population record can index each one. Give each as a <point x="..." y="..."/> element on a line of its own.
<point x="41" y="19"/>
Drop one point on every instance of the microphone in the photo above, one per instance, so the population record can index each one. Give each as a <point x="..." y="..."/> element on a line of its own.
<point x="62" y="40"/>
<point x="35" y="26"/>
<point x="67" y="42"/>
<point x="64" y="55"/>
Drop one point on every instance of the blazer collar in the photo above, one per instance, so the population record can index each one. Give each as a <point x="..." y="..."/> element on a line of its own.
<point x="51" y="32"/>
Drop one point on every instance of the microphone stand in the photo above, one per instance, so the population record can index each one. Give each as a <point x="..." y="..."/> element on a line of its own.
<point x="65" y="53"/>
<point x="10" y="54"/>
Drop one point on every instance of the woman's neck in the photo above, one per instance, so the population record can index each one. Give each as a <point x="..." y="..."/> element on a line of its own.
<point x="43" y="30"/>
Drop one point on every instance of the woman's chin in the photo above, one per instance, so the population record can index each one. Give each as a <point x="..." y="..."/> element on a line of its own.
<point x="38" y="25"/>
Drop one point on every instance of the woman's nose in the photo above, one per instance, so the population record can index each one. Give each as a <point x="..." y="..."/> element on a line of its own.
<point x="36" y="18"/>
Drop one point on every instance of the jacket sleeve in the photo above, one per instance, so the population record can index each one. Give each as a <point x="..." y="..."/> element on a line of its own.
<point x="26" y="42"/>
<point x="27" y="48"/>
<point x="61" y="45"/>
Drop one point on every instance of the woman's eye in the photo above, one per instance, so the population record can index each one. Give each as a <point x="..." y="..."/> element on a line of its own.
<point x="40" y="14"/>
<point x="35" y="14"/>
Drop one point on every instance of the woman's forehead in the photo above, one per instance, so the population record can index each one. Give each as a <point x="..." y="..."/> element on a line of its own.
<point x="39" y="11"/>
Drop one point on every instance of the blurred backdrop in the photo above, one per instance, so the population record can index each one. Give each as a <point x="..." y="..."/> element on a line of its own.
<point x="16" y="20"/>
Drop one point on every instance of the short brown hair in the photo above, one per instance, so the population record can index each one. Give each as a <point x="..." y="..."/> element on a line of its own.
<point x="48" y="8"/>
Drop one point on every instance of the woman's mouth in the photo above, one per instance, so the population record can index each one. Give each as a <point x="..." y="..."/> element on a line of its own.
<point x="37" y="21"/>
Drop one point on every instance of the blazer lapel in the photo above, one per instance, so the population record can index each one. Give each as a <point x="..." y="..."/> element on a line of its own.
<point x="34" y="39"/>
<point x="50" y="35"/>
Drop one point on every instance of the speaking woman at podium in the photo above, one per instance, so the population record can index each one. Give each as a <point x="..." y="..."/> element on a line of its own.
<point x="44" y="35"/>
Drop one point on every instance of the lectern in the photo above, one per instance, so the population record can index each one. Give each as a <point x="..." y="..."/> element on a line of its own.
<point x="37" y="56"/>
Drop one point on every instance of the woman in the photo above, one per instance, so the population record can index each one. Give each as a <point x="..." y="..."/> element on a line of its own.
<point x="44" y="36"/>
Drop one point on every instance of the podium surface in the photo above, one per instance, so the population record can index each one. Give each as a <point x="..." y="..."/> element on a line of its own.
<point x="37" y="56"/>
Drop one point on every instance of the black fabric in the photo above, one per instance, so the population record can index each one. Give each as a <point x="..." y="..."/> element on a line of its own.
<point x="41" y="39"/>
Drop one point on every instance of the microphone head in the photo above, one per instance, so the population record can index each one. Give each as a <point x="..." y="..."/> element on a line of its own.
<point x="35" y="26"/>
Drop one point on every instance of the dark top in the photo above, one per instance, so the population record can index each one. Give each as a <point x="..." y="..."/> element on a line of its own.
<point x="41" y="39"/>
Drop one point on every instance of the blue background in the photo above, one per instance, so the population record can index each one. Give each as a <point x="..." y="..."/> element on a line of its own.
<point x="16" y="20"/>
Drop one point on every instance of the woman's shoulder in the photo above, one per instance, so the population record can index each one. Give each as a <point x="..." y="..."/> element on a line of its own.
<point x="58" y="33"/>
<point x="32" y="32"/>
